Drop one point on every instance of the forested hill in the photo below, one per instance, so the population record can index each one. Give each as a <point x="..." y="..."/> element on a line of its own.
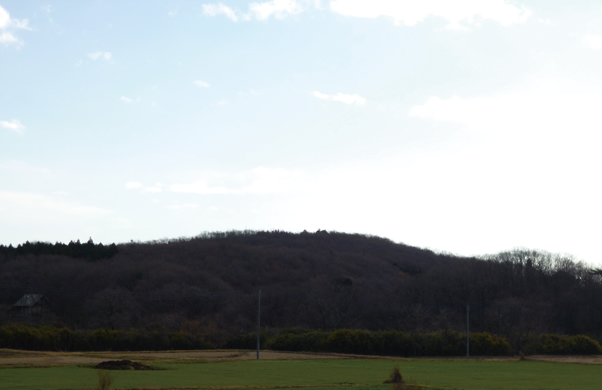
<point x="314" y="280"/>
<point x="87" y="250"/>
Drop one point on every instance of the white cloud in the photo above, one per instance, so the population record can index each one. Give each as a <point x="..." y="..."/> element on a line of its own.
<point x="20" y="24"/>
<point x="4" y="18"/>
<point x="220" y="9"/>
<point x="454" y="109"/>
<point x="316" y="3"/>
<point x="7" y="23"/>
<point x="201" y="188"/>
<point x="133" y="184"/>
<point x="183" y="206"/>
<point x="593" y="41"/>
<point x="6" y="37"/>
<point x="126" y="99"/>
<point x="540" y="111"/>
<point x="341" y="97"/>
<point x="260" y="11"/>
<point x="201" y="83"/>
<point x="260" y="180"/>
<point x="277" y="8"/>
<point x="411" y="12"/>
<point x="156" y="188"/>
<point x="13" y="125"/>
<point x="100" y="55"/>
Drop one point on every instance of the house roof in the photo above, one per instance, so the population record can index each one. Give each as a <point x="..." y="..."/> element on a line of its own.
<point x="29" y="300"/>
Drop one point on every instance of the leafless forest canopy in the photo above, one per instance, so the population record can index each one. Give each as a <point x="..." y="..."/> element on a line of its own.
<point x="322" y="280"/>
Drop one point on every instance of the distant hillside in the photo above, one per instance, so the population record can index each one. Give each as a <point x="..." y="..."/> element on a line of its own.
<point x="314" y="280"/>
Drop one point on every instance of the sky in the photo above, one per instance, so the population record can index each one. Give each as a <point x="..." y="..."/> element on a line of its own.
<point x="463" y="126"/>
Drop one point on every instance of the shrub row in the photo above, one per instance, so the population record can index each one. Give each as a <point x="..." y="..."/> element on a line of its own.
<point x="363" y="342"/>
<point x="390" y="343"/>
<point x="553" y="344"/>
<point x="48" y="338"/>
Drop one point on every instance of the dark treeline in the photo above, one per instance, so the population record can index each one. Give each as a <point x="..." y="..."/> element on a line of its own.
<point x="322" y="281"/>
<point x="88" y="250"/>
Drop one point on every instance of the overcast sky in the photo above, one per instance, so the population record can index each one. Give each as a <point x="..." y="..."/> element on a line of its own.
<point x="465" y="126"/>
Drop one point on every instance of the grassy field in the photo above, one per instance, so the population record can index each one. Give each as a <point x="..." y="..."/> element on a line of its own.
<point x="355" y="374"/>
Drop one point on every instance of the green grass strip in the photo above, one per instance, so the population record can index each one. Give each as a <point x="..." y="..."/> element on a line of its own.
<point x="320" y="374"/>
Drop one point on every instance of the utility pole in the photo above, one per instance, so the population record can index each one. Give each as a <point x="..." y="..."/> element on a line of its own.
<point x="467" y="331"/>
<point x="258" y="321"/>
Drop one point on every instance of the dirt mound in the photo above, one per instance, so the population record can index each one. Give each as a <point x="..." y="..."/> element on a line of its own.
<point x="122" y="365"/>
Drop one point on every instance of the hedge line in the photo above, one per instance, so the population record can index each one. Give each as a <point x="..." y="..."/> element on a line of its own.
<point x="553" y="344"/>
<point x="442" y="343"/>
<point x="390" y="343"/>
<point x="48" y="338"/>
<point x="363" y="342"/>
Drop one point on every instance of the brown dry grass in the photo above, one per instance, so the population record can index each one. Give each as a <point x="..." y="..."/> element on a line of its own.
<point x="28" y="358"/>
<point x="592" y="359"/>
<point x="10" y="357"/>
